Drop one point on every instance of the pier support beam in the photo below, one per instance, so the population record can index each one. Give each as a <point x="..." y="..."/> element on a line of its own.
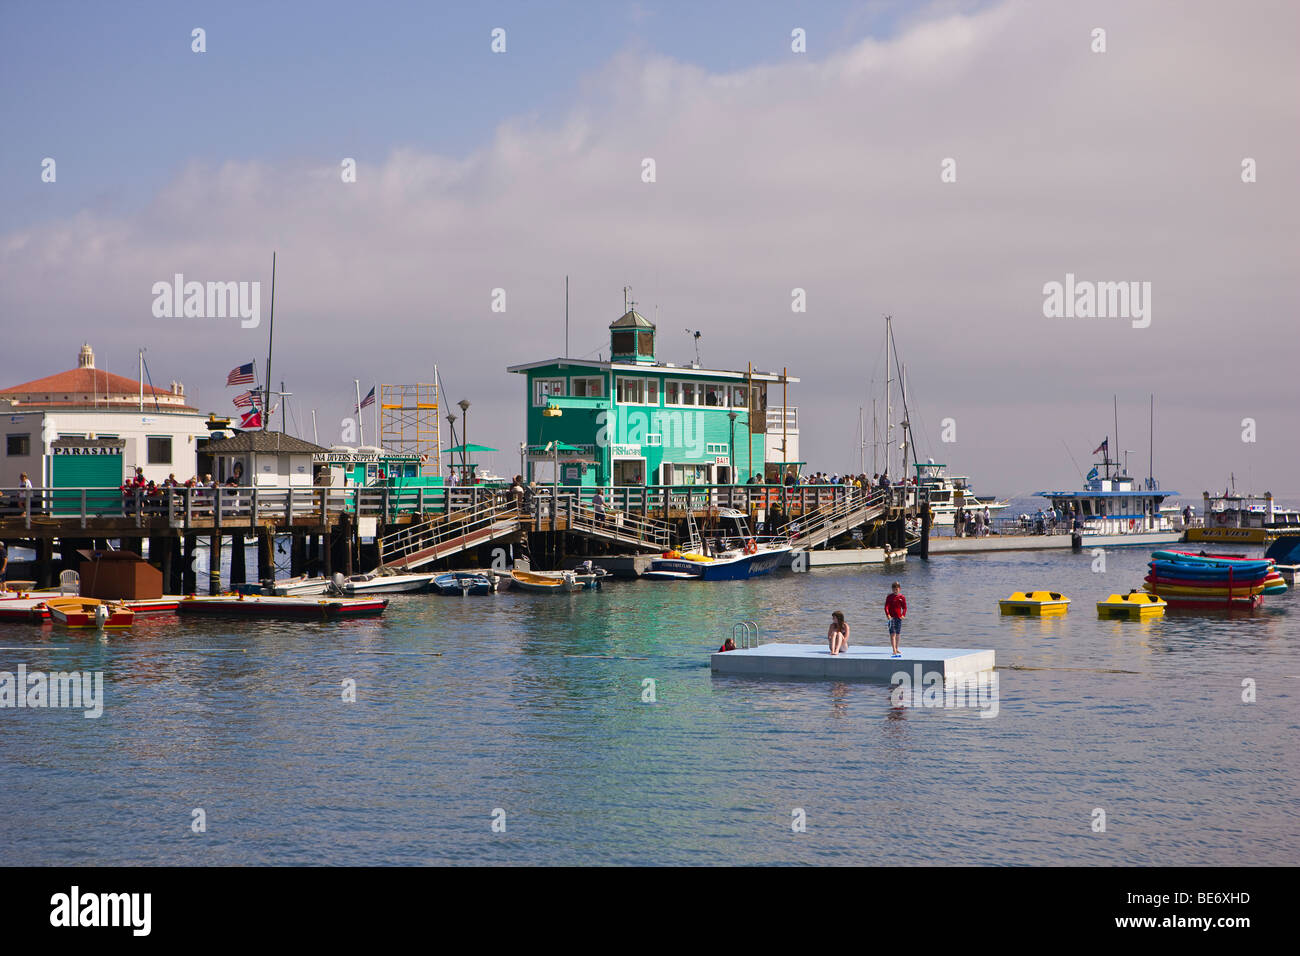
<point x="214" y="564"/>
<point x="44" y="563"/>
<point x="238" y="572"/>
<point x="189" y="579"/>
<point x="297" y="553"/>
<point x="265" y="555"/>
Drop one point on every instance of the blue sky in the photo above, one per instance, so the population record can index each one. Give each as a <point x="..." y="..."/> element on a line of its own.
<point x="115" y="94"/>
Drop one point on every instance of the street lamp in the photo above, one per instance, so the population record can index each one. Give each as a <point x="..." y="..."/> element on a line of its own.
<point x="464" y="433"/>
<point x="451" y="423"/>
<point x="732" y="459"/>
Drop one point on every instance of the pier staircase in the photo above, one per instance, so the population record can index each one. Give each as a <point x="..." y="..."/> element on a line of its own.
<point x="626" y="529"/>
<point x="430" y="541"/>
<point x="824" y="525"/>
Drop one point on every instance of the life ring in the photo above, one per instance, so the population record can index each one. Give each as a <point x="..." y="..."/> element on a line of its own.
<point x="751" y="547"/>
<point x="1132" y="523"/>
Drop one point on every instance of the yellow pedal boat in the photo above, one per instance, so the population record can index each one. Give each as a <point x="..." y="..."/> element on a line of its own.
<point x="1135" y="606"/>
<point x="1035" y="603"/>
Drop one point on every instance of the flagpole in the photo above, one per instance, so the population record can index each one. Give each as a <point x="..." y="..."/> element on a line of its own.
<point x="361" y="428"/>
<point x="378" y="437"/>
<point x="270" y="344"/>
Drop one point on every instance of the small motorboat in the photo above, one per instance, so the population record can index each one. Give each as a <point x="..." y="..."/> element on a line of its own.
<point x="1035" y="603"/>
<point x="1134" y="606"/>
<point x="327" y="608"/>
<point x="88" y="612"/>
<point x="380" y="582"/>
<point x="553" y="582"/>
<point x="464" y="582"/>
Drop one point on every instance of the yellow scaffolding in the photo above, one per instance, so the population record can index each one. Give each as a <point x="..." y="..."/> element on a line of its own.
<point x="410" y="424"/>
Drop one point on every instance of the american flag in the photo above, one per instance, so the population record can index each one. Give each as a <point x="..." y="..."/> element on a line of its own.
<point x="248" y="400"/>
<point x="1104" y="446"/>
<point x="241" y="376"/>
<point x="368" y="400"/>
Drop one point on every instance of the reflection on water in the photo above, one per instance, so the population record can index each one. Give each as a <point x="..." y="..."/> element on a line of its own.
<point x="534" y="704"/>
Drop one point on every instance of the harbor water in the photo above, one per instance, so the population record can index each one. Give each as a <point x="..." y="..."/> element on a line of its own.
<point x="581" y="728"/>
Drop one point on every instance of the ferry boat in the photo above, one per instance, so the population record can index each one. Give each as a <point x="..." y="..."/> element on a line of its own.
<point x="1113" y="511"/>
<point x="948" y="493"/>
<point x="1244" y="519"/>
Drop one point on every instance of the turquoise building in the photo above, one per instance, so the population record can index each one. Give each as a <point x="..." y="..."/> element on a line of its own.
<point x="633" y="420"/>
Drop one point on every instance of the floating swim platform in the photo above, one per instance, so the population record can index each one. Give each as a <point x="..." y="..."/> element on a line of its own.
<point x="1136" y="606"/>
<point x="857" y="663"/>
<point x="1035" y="603"/>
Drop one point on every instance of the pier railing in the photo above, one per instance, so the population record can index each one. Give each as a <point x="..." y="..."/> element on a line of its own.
<point x="226" y="506"/>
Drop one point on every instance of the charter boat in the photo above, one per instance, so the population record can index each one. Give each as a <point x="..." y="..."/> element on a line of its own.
<point x="1244" y="519"/>
<point x="1111" y="511"/>
<point x="730" y="557"/>
<point x="948" y="493"/>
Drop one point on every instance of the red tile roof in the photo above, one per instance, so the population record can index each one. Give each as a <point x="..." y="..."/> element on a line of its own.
<point x="85" y="380"/>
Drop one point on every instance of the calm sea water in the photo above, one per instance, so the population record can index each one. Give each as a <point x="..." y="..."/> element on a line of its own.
<point x="533" y="704"/>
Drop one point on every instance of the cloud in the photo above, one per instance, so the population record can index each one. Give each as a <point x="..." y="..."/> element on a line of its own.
<point x="822" y="174"/>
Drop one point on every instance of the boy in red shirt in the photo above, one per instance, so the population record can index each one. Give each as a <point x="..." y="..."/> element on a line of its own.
<point x="895" y="611"/>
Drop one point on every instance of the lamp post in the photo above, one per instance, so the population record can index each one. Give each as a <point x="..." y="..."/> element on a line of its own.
<point x="464" y="432"/>
<point x="451" y="423"/>
<point x="522" y="447"/>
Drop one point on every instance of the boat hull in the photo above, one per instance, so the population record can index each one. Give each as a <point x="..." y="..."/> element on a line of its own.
<point x="80" y="612"/>
<point x="283" y="607"/>
<point x="738" y="568"/>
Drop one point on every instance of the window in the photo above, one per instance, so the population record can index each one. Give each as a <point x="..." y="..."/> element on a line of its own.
<point x="543" y="388"/>
<point x="672" y="393"/>
<point x="715" y="395"/>
<point x="638" y="391"/>
<point x="737" y="396"/>
<point x="655" y="439"/>
<point x="682" y="393"/>
<point x="160" y="450"/>
<point x="622" y="343"/>
<point x="588" y="387"/>
<point x="715" y="448"/>
<point x="18" y="445"/>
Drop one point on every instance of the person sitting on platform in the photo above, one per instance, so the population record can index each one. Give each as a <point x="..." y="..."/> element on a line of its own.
<point x="838" y="634"/>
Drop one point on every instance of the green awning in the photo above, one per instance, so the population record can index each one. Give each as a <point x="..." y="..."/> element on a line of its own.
<point x="466" y="449"/>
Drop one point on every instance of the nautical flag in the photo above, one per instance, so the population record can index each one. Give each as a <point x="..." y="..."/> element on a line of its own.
<point x="1092" y="475"/>
<point x="1104" y="446"/>
<point x="251" y="419"/>
<point x="248" y="400"/>
<point x="368" y="400"/>
<point x="241" y="376"/>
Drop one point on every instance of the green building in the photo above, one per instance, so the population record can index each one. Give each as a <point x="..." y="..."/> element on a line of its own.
<point x="638" y="421"/>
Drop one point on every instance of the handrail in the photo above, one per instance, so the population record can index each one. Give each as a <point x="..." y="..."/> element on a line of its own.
<point x="744" y="629"/>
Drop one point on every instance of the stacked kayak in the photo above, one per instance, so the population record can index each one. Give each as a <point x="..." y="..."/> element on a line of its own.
<point x="1193" y="580"/>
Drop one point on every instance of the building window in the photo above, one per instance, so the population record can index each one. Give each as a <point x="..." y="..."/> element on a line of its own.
<point x="18" y="445"/>
<point x="160" y="450"/>
<point x="588" y="387"/>
<point x="544" y="388"/>
<point x="638" y="391"/>
<point x="683" y="393"/>
<point x="715" y="448"/>
<point x="737" y="396"/>
<point x="622" y="343"/>
<point x="715" y="395"/>
<point x="654" y="439"/>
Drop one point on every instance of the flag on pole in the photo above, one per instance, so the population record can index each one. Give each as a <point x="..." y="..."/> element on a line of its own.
<point x="241" y="376"/>
<point x="247" y="400"/>
<point x="251" y="419"/>
<point x="1104" y="446"/>
<point x="368" y="400"/>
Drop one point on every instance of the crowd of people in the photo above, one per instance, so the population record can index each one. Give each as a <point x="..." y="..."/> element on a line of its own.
<point x="152" y="496"/>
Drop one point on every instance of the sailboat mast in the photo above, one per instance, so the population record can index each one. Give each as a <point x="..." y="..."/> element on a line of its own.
<point x="889" y="402"/>
<point x="1151" y="446"/>
<point x="1115" y="399"/>
<point x="861" y="447"/>
<point x="875" y="440"/>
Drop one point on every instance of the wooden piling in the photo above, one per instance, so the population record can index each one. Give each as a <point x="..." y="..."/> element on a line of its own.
<point x="238" y="573"/>
<point x="214" y="564"/>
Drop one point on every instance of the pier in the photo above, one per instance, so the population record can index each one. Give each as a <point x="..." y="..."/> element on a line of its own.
<point x="359" y="528"/>
<point x="860" y="663"/>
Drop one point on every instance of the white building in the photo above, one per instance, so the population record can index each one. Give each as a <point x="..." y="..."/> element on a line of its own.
<point x="87" y="427"/>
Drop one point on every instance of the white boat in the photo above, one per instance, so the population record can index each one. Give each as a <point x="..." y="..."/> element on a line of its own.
<point x="948" y="492"/>
<point x="291" y="587"/>
<point x="381" y="582"/>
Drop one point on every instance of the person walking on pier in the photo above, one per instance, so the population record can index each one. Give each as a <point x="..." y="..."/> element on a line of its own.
<point x="895" y="611"/>
<point x="838" y="634"/>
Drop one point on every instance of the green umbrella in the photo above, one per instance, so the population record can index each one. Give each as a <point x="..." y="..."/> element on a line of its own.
<point x="462" y="449"/>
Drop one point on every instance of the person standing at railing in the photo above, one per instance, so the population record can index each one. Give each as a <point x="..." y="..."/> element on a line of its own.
<point x="25" y="491"/>
<point x="598" y="505"/>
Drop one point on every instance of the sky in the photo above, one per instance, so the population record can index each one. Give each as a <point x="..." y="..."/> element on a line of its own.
<point x="938" y="162"/>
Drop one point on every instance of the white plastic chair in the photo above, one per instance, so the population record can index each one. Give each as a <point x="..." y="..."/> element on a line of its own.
<point x="70" y="583"/>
